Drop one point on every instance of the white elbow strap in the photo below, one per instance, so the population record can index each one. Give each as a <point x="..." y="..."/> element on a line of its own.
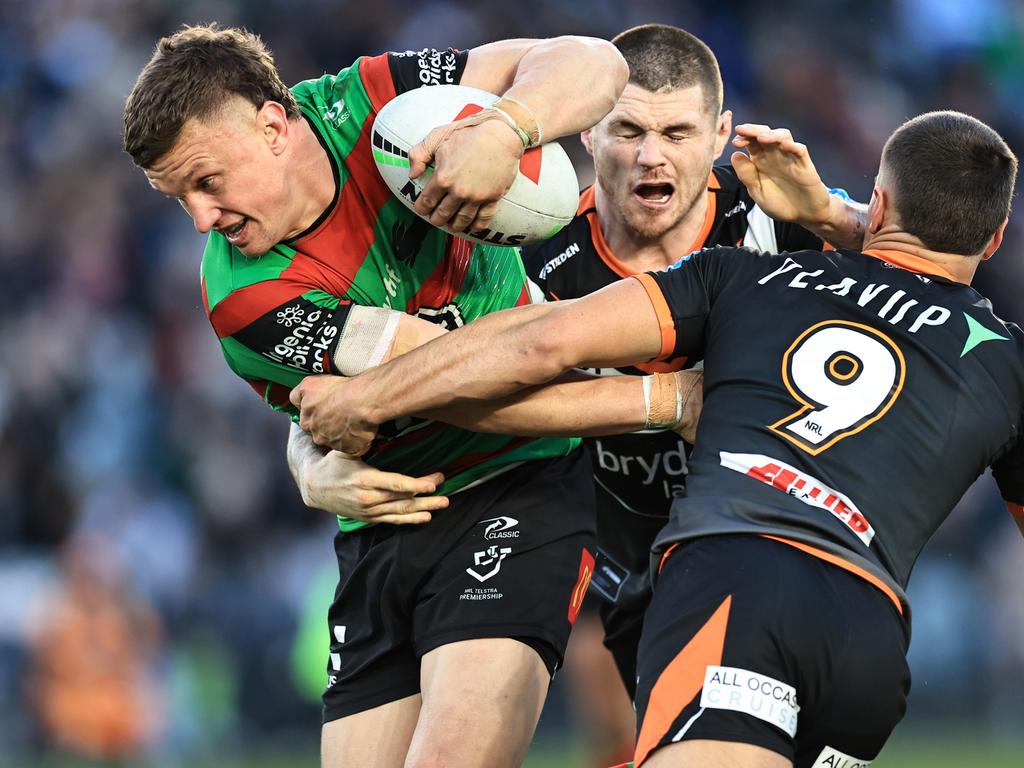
<point x="366" y="339"/>
<point x="663" y="401"/>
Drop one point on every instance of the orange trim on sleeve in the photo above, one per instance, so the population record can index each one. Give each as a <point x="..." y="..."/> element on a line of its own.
<point x="681" y="681"/>
<point x="664" y="557"/>
<point x="665" y="321"/>
<point x="376" y="77"/>
<point x="828" y="557"/>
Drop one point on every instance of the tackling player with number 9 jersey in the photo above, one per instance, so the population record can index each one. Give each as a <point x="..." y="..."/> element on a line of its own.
<point x="850" y="399"/>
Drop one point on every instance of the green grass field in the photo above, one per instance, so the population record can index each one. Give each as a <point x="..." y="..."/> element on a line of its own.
<point x="912" y="750"/>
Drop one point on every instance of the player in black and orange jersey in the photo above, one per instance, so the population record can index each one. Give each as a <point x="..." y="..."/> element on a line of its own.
<point x="657" y="195"/>
<point x="834" y="385"/>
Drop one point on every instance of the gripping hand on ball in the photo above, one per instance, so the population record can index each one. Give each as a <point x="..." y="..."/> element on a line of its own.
<point x="330" y="410"/>
<point x="474" y="163"/>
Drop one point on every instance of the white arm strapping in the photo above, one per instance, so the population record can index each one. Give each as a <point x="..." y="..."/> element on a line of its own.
<point x="365" y="339"/>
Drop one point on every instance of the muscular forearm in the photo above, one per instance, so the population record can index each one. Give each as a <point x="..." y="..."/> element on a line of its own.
<point x="498" y="357"/>
<point x="507" y="351"/>
<point x="845" y="224"/>
<point x="579" y="404"/>
<point x="590" y="76"/>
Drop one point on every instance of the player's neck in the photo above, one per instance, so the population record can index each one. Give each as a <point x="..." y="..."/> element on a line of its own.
<point x="311" y="178"/>
<point x="960" y="268"/>
<point x="641" y="253"/>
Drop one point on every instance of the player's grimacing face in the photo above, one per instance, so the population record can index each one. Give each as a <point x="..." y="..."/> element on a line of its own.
<point x="227" y="177"/>
<point x="653" y="153"/>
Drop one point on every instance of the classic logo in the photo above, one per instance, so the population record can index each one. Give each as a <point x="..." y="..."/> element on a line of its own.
<point x="492" y="556"/>
<point x="500" y="528"/>
<point x="337" y="114"/>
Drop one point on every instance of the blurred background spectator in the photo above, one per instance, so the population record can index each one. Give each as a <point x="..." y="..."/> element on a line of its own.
<point x="156" y="561"/>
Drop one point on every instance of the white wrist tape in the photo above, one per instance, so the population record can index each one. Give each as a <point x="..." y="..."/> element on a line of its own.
<point x="365" y="339"/>
<point x="663" y="401"/>
<point x="523" y="135"/>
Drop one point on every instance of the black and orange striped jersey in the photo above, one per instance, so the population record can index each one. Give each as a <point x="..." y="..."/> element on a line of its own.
<point x="849" y="401"/>
<point x="644" y="471"/>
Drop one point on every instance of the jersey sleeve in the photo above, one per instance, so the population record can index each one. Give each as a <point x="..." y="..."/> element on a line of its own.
<point x="793" y="237"/>
<point x="273" y="340"/>
<point x="682" y="296"/>
<point x="1008" y="471"/>
<point x="390" y="74"/>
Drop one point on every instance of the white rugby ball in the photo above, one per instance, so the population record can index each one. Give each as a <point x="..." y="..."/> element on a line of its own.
<point x="542" y="199"/>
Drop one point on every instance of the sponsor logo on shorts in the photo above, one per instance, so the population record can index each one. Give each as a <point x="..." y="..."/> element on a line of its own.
<point x="740" y="690"/>
<point x="500" y="528"/>
<point x="802" y="486"/>
<point x="488" y="562"/>
<point x="833" y="758"/>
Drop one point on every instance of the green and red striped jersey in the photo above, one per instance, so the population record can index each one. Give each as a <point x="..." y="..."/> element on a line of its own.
<point x="279" y="317"/>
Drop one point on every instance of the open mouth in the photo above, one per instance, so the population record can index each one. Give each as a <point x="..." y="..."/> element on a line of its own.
<point x="235" y="234"/>
<point x="654" y="195"/>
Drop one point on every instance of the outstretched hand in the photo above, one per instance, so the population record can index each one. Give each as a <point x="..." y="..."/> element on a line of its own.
<point x="779" y="175"/>
<point x="342" y="485"/>
<point x="474" y="163"/>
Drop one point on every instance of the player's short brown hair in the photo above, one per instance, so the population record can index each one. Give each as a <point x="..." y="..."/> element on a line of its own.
<point x="663" y="58"/>
<point x="191" y="75"/>
<point x="951" y="178"/>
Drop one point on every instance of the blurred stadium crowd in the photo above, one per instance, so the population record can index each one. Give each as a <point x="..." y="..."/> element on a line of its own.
<point x="156" y="563"/>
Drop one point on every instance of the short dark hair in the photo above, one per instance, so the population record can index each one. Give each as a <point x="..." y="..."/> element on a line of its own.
<point x="664" y="58"/>
<point x="191" y="75"/>
<point x="951" y="178"/>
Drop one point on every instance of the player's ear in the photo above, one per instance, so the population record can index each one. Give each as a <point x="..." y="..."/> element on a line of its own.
<point x="723" y="130"/>
<point x="272" y="123"/>
<point x="588" y="141"/>
<point x="877" y="206"/>
<point x="995" y="242"/>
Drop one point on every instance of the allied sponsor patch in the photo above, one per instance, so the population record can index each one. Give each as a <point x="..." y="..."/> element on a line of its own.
<point x="802" y="486"/>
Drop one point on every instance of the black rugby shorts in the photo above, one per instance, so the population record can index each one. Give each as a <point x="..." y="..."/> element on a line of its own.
<point x="511" y="557"/>
<point x="754" y="641"/>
